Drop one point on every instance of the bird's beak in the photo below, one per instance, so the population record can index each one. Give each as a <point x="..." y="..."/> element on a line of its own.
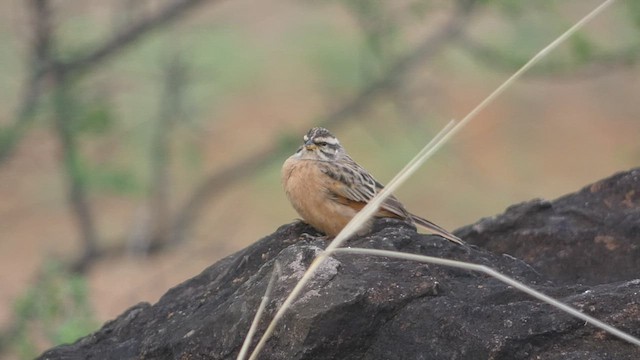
<point x="309" y="145"/>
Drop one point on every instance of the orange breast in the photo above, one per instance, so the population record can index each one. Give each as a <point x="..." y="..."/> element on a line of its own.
<point x="307" y="189"/>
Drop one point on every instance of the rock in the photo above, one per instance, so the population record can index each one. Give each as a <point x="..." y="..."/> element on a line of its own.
<point x="581" y="249"/>
<point x="576" y="238"/>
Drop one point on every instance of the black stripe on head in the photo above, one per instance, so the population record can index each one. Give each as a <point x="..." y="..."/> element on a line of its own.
<point x="319" y="132"/>
<point x="320" y="136"/>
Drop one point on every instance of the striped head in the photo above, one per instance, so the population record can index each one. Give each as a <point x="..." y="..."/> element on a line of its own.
<point x="320" y="144"/>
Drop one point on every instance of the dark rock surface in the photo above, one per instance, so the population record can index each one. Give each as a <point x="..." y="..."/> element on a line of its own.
<point x="583" y="249"/>
<point x="589" y="237"/>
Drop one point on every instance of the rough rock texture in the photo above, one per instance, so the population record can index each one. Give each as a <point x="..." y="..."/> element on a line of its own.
<point x="589" y="237"/>
<point x="583" y="249"/>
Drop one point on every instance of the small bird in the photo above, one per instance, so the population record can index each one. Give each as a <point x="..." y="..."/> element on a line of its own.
<point x="327" y="188"/>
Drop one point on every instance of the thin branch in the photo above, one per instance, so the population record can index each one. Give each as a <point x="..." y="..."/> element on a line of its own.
<point x="171" y="109"/>
<point x="41" y="70"/>
<point x="41" y="58"/>
<point x="214" y="185"/>
<point x="118" y="42"/>
<point x="77" y="187"/>
<point x="598" y="64"/>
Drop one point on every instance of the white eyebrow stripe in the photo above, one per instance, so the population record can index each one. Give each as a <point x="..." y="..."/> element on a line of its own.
<point x="328" y="140"/>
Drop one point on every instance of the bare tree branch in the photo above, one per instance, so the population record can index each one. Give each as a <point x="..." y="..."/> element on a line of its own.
<point x="212" y="186"/>
<point x="77" y="186"/>
<point x="121" y="40"/>
<point x="42" y="70"/>
<point x="41" y="58"/>
<point x="599" y="63"/>
<point x="216" y="183"/>
<point x="171" y="109"/>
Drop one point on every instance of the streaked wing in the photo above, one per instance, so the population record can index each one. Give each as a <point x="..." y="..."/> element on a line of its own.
<point x="355" y="187"/>
<point x="354" y="184"/>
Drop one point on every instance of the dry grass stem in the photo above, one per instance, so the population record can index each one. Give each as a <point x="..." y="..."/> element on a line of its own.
<point x="504" y="278"/>
<point x="440" y="139"/>
<point x="256" y="319"/>
<point x="353" y="225"/>
<point x="534" y="60"/>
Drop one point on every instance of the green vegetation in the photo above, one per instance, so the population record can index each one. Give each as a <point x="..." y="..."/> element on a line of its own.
<point x="55" y="309"/>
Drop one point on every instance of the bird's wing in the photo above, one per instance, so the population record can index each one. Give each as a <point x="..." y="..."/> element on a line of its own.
<point x="354" y="186"/>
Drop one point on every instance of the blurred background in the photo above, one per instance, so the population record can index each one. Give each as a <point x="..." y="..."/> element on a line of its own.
<point x="141" y="140"/>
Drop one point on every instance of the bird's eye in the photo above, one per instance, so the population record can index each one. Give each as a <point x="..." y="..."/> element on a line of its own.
<point x="322" y="143"/>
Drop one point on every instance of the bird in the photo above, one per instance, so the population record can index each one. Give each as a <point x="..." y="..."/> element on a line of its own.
<point x="327" y="188"/>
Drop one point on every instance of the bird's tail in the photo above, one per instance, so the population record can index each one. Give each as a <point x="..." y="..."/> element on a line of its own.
<point x="436" y="229"/>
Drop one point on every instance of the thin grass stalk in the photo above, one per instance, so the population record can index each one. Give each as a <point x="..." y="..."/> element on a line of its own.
<point x="441" y="138"/>
<point x="361" y="217"/>
<point x="495" y="274"/>
<point x="256" y="319"/>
